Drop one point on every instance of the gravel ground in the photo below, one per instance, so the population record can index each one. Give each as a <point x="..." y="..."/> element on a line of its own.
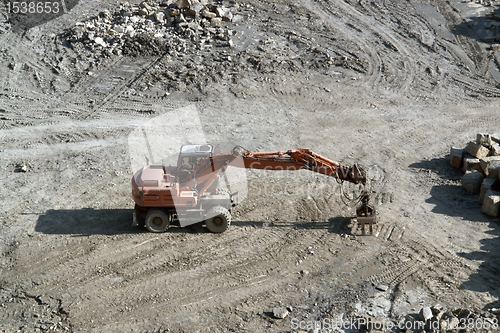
<point x="389" y="84"/>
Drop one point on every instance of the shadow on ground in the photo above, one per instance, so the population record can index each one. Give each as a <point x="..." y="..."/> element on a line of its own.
<point x="447" y="194"/>
<point x="451" y="199"/>
<point x="89" y="221"/>
<point x="338" y="224"/>
<point x="480" y="27"/>
<point x="487" y="276"/>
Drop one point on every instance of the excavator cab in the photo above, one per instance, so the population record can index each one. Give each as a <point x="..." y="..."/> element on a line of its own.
<point x="192" y="155"/>
<point x="190" y="158"/>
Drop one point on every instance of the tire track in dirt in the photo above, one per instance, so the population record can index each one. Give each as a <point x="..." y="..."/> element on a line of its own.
<point x="417" y="258"/>
<point x="220" y="277"/>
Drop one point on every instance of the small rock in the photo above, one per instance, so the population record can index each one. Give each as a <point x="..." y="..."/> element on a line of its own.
<point x="145" y="5"/>
<point x="100" y="41"/>
<point x="196" y="8"/>
<point x="216" y="22"/>
<point x="453" y="323"/>
<point x="180" y="18"/>
<point x="160" y="17"/>
<point x="237" y="18"/>
<point x="382" y="287"/>
<point x="495" y="47"/>
<point x="280" y="313"/>
<point x="23" y="168"/>
<point x="425" y="313"/>
<point x="208" y="15"/>
<point x="143" y="12"/>
<point x="289" y="308"/>
<point x="183" y="4"/>
<point x="220" y="11"/>
<point x="174" y="12"/>
<point x="119" y="29"/>
<point x="228" y="16"/>
<point x="129" y="29"/>
<point x="472" y="181"/>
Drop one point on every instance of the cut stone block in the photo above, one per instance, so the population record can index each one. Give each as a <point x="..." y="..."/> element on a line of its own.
<point x="486" y="161"/>
<point x="483" y="139"/>
<point x="477" y="150"/>
<point x="494" y="170"/>
<point x="471" y="164"/>
<point x="495" y="149"/>
<point x="472" y="181"/>
<point x="456" y="157"/>
<point x="487" y="185"/>
<point x="495" y="137"/>
<point x="491" y="204"/>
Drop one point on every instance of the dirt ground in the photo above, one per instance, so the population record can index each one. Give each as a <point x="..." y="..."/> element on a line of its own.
<point x="389" y="84"/>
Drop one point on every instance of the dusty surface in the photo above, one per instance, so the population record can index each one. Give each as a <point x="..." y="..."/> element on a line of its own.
<point x="390" y="84"/>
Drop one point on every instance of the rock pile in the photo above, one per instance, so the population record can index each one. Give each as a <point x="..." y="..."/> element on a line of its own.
<point x="151" y="27"/>
<point x="436" y="319"/>
<point x="480" y="162"/>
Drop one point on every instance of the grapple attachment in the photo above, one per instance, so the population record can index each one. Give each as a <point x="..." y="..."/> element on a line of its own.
<point x="366" y="214"/>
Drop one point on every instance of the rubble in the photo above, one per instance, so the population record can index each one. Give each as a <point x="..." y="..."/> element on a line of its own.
<point x="280" y="313"/>
<point x="152" y="28"/>
<point x="480" y="161"/>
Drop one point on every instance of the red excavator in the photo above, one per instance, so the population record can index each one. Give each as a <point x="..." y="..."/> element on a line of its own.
<point x="190" y="192"/>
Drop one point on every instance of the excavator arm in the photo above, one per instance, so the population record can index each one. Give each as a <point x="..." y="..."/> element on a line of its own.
<point x="299" y="159"/>
<point x="291" y="160"/>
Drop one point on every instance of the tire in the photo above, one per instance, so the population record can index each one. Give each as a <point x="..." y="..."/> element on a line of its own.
<point x="157" y="220"/>
<point x="218" y="219"/>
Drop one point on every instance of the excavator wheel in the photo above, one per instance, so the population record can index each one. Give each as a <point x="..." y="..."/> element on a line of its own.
<point x="219" y="219"/>
<point x="157" y="220"/>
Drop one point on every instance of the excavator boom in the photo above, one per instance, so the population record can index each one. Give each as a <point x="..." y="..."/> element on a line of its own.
<point x="303" y="159"/>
